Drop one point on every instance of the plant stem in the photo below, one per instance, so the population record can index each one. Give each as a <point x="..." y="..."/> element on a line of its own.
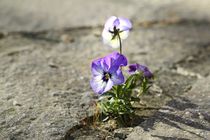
<point x="120" y="43"/>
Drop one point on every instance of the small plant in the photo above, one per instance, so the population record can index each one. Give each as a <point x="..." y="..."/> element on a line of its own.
<point x="115" y="91"/>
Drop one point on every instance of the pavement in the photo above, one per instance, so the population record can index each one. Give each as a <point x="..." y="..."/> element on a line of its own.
<point x="46" y="48"/>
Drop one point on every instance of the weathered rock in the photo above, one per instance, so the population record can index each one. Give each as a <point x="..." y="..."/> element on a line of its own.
<point x="49" y="78"/>
<point x="187" y="116"/>
<point x="172" y="123"/>
<point x="200" y="94"/>
<point x="44" y="84"/>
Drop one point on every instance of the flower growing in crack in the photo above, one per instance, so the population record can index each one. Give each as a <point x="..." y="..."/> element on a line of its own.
<point x="133" y="68"/>
<point x="115" y="30"/>
<point x="106" y="72"/>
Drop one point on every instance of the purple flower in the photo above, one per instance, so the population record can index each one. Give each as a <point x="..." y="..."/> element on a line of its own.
<point x="133" y="68"/>
<point x="113" y="27"/>
<point x="106" y="72"/>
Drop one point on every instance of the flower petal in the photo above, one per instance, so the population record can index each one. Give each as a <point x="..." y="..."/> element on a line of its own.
<point x="107" y="36"/>
<point x="124" y="34"/>
<point x="118" y="77"/>
<point x="109" y="40"/>
<point x="109" y="64"/>
<point x="118" y="59"/>
<point x="147" y="73"/>
<point x="105" y="65"/>
<point x="124" y="22"/>
<point x="98" y="85"/>
<point x="109" y="25"/>
<point x="132" y="68"/>
<point x="137" y="67"/>
<point x="116" y="22"/>
<point x="114" y="61"/>
<point x="96" y="67"/>
<point x="109" y="85"/>
<point x="114" y="43"/>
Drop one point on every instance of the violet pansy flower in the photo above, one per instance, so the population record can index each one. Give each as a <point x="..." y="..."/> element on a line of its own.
<point x="106" y="72"/>
<point x="116" y="29"/>
<point x="133" y="68"/>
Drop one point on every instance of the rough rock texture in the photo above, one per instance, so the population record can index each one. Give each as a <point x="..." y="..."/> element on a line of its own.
<point x="184" y="117"/>
<point x="44" y="73"/>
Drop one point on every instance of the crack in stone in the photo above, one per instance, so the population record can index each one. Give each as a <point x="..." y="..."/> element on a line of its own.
<point x="145" y="24"/>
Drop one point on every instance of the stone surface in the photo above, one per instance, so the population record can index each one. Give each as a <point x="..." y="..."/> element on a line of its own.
<point x="185" y="116"/>
<point x="180" y="119"/>
<point x="200" y="94"/>
<point x="44" y="84"/>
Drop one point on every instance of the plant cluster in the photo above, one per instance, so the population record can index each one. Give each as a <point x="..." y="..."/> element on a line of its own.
<point x="116" y="93"/>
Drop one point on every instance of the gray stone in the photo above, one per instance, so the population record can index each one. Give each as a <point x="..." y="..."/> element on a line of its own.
<point x="187" y="117"/>
<point x="200" y="94"/>
<point x="44" y="84"/>
<point x="54" y="99"/>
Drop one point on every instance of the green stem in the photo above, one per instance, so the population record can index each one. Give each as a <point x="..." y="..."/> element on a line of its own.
<point x="120" y="43"/>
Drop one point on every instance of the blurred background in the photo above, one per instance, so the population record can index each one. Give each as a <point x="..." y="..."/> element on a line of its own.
<point x="55" y="14"/>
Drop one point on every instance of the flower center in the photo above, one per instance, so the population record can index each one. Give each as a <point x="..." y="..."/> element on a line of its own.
<point x="115" y="32"/>
<point x="106" y="76"/>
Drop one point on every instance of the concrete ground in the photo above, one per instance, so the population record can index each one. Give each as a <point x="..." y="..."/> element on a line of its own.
<point x="46" y="47"/>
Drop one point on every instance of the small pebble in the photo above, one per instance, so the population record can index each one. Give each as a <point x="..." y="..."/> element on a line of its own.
<point x="15" y="103"/>
<point x="200" y="116"/>
<point x="188" y="114"/>
<point x="190" y="59"/>
<point x="52" y="65"/>
<point x="67" y="38"/>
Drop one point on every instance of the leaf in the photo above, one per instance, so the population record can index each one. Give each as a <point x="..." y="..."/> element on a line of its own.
<point x="130" y="82"/>
<point x="110" y="93"/>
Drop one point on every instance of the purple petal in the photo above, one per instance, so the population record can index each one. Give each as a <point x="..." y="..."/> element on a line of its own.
<point x="115" y="60"/>
<point x="124" y="22"/>
<point x="97" y="85"/>
<point x="105" y="64"/>
<point x="114" y="68"/>
<point x="124" y="28"/>
<point x="132" y="68"/>
<point x="96" y="67"/>
<point x="110" y="64"/>
<point x="116" y="22"/>
<point x="118" y="59"/>
<point x="146" y="71"/>
<point x="137" y="67"/>
<point x="118" y="77"/>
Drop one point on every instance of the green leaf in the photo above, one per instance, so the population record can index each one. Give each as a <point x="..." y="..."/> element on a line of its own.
<point x="130" y="82"/>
